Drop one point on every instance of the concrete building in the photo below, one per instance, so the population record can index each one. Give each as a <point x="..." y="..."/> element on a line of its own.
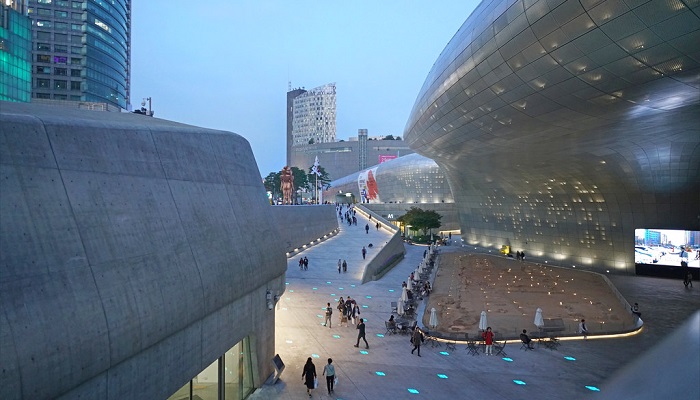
<point x="82" y="51"/>
<point x="127" y="269"/>
<point x="15" y="51"/>
<point x="563" y="126"/>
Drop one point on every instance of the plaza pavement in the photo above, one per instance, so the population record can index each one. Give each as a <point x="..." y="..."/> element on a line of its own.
<point x="388" y="369"/>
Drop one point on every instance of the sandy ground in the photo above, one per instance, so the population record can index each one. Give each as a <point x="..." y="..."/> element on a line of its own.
<point x="510" y="291"/>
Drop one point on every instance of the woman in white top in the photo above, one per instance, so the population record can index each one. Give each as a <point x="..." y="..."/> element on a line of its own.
<point x="329" y="372"/>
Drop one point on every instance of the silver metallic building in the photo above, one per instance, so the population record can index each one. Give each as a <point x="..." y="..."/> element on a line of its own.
<point x="564" y="125"/>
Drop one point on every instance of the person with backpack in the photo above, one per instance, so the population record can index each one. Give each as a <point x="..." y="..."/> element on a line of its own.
<point x="329" y="311"/>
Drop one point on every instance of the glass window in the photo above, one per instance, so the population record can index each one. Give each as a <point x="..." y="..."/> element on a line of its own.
<point x="40" y="69"/>
<point x="43" y="96"/>
<point x="60" y="48"/>
<point x="76" y="50"/>
<point x="74" y="85"/>
<point x="77" y="4"/>
<point x="76" y="27"/>
<point x="60" y="71"/>
<point x="74" y="97"/>
<point x="205" y="384"/>
<point x="62" y="3"/>
<point x="43" y="23"/>
<point x="77" y="16"/>
<point x="43" y="11"/>
<point x="43" y="35"/>
<point x="61" y="14"/>
<point x="76" y="39"/>
<point x="60" y="37"/>
<point x="44" y="1"/>
<point x="75" y="61"/>
<point x="60" y="60"/>
<point x="75" y="72"/>
<point x="60" y="84"/>
<point x="61" y="25"/>
<point x="238" y="379"/>
<point x="43" y="47"/>
<point x="44" y="58"/>
<point x="43" y="83"/>
<point x="60" y="97"/>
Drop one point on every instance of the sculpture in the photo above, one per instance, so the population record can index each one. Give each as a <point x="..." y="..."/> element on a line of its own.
<point x="287" y="185"/>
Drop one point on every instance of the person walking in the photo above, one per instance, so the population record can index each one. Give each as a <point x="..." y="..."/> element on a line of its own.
<point x="361" y="334"/>
<point x="488" y="340"/>
<point x="301" y="264"/>
<point x="582" y="329"/>
<point x="329" y="372"/>
<point x="345" y="266"/>
<point x="364" y="252"/>
<point x="329" y="311"/>
<point x="367" y="229"/>
<point x="378" y="225"/>
<point x="306" y="263"/>
<point x="416" y="339"/>
<point x="309" y="375"/>
<point x="339" y="265"/>
<point x="355" y="313"/>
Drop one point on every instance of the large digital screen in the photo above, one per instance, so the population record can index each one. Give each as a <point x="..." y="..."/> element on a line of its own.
<point x="667" y="247"/>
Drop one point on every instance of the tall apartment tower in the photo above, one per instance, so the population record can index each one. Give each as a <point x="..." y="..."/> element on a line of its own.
<point x="15" y="51"/>
<point x="313" y="116"/>
<point x="291" y="95"/>
<point x="81" y="50"/>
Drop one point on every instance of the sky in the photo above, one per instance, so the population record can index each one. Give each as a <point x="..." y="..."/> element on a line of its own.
<point x="227" y="64"/>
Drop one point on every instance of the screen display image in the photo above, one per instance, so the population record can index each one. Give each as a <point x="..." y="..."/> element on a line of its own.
<point x="667" y="247"/>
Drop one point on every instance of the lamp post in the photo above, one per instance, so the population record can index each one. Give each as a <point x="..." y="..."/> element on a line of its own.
<point x="143" y="106"/>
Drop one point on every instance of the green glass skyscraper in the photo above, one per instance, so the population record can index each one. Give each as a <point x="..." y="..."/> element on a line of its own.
<point x="15" y="52"/>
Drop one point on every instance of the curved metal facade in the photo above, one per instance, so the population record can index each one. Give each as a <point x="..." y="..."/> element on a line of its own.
<point x="564" y="125"/>
<point x="408" y="179"/>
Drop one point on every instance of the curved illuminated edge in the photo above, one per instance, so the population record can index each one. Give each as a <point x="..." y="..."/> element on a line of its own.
<point x="559" y="338"/>
<point x="297" y="250"/>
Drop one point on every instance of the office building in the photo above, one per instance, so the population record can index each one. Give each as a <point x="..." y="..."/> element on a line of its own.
<point x="15" y="51"/>
<point x="313" y="116"/>
<point x="81" y="51"/>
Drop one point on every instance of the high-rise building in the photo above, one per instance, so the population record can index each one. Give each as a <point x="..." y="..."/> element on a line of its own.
<point x="81" y="50"/>
<point x="313" y="116"/>
<point x="15" y="51"/>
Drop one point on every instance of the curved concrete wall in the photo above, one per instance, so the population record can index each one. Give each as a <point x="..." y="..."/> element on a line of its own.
<point x="565" y="125"/>
<point x="299" y="225"/>
<point x="126" y="265"/>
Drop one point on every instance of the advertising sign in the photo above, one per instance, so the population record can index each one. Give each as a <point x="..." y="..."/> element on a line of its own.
<point x="386" y="157"/>
<point x="367" y="185"/>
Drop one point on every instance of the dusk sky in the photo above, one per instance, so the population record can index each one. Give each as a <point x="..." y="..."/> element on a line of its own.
<point x="226" y="64"/>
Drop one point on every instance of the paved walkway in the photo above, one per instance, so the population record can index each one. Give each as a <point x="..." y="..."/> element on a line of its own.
<point x="389" y="370"/>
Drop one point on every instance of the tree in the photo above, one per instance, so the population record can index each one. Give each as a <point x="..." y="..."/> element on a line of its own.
<point x="272" y="183"/>
<point x="301" y="181"/>
<point x="420" y="219"/>
<point x="323" y="179"/>
<point x="312" y="141"/>
<point x="389" y="137"/>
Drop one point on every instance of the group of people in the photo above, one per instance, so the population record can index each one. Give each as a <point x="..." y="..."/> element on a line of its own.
<point x="308" y="375"/>
<point x="349" y="310"/>
<point x="520" y="255"/>
<point x="303" y="264"/>
<point x="342" y="266"/>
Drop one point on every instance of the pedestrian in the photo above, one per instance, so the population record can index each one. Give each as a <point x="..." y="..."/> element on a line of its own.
<point x="582" y="329"/>
<point x="416" y="339"/>
<point x="309" y="375"/>
<point x="364" y="252"/>
<point x="488" y="340"/>
<point x="301" y="264"/>
<point x="522" y="256"/>
<point x="306" y="263"/>
<point x="339" y="265"/>
<point x="378" y="225"/>
<point x="635" y="310"/>
<point x="355" y="313"/>
<point x="367" y="229"/>
<point x="450" y="235"/>
<point x="329" y="372"/>
<point x="361" y="334"/>
<point x="329" y="311"/>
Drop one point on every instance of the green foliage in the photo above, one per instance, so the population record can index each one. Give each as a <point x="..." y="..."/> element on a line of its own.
<point x="323" y="179"/>
<point x="419" y="219"/>
<point x="272" y="183"/>
<point x="301" y="181"/>
<point x="389" y="137"/>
